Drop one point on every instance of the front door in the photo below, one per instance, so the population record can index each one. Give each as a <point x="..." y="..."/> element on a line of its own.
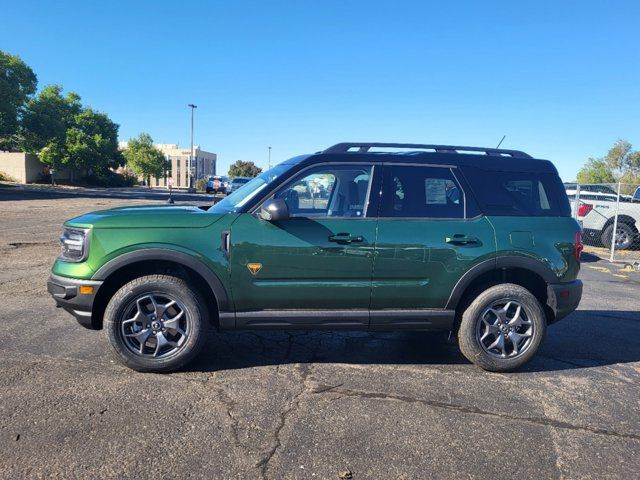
<point x="429" y="234"/>
<point x="315" y="267"/>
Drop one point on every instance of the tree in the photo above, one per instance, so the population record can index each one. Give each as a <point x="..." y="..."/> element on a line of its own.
<point x="621" y="164"/>
<point x="144" y="158"/>
<point x="67" y="135"/>
<point x="48" y="116"/>
<point x="17" y="84"/>
<point x="244" y="169"/>
<point x="595" y="171"/>
<point x="92" y="143"/>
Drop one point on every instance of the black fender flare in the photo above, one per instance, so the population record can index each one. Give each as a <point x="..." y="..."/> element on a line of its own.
<point x="185" y="259"/>
<point x="498" y="263"/>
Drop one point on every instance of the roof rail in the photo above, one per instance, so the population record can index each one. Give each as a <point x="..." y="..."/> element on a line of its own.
<point x="365" y="147"/>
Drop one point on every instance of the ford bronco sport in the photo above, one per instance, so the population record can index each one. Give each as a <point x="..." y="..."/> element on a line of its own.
<point x="475" y="241"/>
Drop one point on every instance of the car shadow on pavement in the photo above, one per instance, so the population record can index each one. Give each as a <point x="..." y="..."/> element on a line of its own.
<point x="587" y="257"/>
<point x="587" y="338"/>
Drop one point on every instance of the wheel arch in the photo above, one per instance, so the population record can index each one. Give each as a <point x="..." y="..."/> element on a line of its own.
<point x="526" y="272"/>
<point x="629" y="220"/>
<point x="130" y="265"/>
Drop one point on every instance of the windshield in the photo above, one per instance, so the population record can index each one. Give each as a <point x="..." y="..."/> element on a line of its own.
<point x="240" y="197"/>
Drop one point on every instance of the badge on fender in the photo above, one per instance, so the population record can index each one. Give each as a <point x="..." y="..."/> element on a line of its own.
<point x="254" y="268"/>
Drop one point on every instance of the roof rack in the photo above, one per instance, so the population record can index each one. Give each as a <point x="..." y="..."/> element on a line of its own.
<point x="365" y="147"/>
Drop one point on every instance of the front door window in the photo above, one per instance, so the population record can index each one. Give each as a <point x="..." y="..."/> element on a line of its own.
<point x="335" y="191"/>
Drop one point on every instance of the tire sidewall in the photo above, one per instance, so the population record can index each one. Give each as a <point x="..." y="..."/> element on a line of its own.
<point x="469" y="344"/>
<point x="156" y="284"/>
<point x="608" y="235"/>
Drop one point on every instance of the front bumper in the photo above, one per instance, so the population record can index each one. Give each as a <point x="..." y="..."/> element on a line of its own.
<point x="563" y="298"/>
<point x="66" y="292"/>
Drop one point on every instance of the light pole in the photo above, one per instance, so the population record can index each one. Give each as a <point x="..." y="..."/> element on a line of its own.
<point x="191" y="189"/>
<point x="269" y="158"/>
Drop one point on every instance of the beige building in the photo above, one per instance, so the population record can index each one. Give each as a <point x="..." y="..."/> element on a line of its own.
<point x="204" y="164"/>
<point x="27" y="168"/>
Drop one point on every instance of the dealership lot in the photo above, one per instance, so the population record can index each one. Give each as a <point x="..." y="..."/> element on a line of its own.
<point x="305" y="404"/>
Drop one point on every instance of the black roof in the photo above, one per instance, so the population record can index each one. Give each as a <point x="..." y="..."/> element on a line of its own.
<point x="479" y="157"/>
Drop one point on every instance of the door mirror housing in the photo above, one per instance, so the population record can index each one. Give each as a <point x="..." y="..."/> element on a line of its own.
<point x="274" y="210"/>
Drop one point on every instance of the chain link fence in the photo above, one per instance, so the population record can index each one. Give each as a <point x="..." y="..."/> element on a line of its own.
<point x="609" y="214"/>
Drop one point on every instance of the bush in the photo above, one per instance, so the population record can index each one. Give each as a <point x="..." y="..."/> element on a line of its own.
<point x="201" y="184"/>
<point x="6" y="178"/>
<point x="111" y="179"/>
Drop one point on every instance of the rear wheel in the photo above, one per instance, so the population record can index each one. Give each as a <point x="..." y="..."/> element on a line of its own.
<point x="625" y="235"/>
<point x="502" y="328"/>
<point x="156" y="323"/>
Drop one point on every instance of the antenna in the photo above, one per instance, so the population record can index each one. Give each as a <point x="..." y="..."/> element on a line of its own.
<point x="500" y="142"/>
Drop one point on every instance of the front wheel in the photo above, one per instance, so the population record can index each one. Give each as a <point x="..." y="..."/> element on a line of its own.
<point x="156" y="323"/>
<point x="502" y="328"/>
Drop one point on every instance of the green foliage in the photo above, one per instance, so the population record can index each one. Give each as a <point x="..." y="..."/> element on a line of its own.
<point x="621" y="164"/>
<point x="144" y="158"/>
<point x="66" y="135"/>
<point x="48" y="117"/>
<point x="595" y="171"/>
<point x="244" y="169"/>
<point x="17" y="84"/>
<point x="109" y="178"/>
<point x="93" y="142"/>
<point x="201" y="184"/>
<point x="622" y="160"/>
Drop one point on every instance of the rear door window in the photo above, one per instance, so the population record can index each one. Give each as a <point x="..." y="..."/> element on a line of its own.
<point x="414" y="191"/>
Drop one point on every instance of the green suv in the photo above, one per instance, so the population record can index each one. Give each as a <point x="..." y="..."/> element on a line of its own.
<point x="475" y="241"/>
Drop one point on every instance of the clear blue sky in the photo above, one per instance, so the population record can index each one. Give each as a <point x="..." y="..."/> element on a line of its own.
<point x="560" y="78"/>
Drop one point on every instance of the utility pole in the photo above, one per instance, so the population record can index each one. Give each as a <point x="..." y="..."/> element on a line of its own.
<point x="269" y="158"/>
<point x="191" y="189"/>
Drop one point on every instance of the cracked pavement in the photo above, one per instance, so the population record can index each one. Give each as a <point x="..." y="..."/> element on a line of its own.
<point x="275" y="405"/>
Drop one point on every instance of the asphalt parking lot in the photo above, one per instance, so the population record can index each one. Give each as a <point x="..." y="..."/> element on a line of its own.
<point x="306" y="404"/>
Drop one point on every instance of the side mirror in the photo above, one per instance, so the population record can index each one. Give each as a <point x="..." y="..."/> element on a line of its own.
<point x="274" y="210"/>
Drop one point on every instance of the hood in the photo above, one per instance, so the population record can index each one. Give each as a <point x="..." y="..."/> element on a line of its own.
<point x="148" y="216"/>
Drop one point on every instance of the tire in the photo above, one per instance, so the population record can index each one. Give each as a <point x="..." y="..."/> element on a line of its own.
<point x="625" y="235"/>
<point x="156" y="323"/>
<point x="504" y="299"/>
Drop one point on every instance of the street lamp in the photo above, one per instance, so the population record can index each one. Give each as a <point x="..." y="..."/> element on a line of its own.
<point x="191" y="189"/>
<point x="269" y="158"/>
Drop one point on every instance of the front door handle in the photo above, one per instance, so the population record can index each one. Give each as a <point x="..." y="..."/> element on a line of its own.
<point x="345" y="238"/>
<point x="462" y="239"/>
<point x="225" y="242"/>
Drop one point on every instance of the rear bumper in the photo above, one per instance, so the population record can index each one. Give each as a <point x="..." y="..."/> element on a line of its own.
<point x="66" y="293"/>
<point x="564" y="298"/>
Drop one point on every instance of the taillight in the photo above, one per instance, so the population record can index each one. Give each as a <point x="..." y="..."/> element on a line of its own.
<point x="584" y="208"/>
<point x="577" y="246"/>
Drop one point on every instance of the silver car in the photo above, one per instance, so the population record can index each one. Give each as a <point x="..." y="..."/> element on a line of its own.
<point x="238" y="182"/>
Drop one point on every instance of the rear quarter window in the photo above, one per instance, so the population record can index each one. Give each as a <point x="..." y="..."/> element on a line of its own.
<point x="527" y="194"/>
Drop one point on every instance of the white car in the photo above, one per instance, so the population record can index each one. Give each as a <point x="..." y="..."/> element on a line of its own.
<point x="596" y="209"/>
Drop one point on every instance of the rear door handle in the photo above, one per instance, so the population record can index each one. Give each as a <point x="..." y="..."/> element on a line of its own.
<point x="345" y="238"/>
<point x="462" y="239"/>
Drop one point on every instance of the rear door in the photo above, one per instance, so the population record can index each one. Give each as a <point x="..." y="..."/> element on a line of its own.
<point x="430" y="232"/>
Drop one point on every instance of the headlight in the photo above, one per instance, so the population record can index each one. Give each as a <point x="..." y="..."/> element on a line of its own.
<point x="75" y="244"/>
